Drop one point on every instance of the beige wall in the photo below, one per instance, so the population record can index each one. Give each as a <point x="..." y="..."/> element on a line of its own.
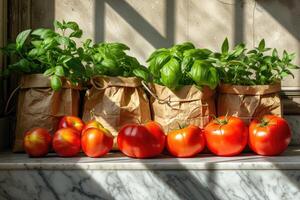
<point x="148" y="24"/>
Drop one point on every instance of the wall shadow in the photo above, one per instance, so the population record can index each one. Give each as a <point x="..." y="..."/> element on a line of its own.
<point x="287" y="14"/>
<point x="238" y="22"/>
<point x="136" y="21"/>
<point x="184" y="184"/>
<point x="286" y="17"/>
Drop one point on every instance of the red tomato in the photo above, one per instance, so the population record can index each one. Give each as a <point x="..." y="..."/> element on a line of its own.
<point x="226" y="136"/>
<point x="66" y="142"/>
<point x="141" y="141"/>
<point x="37" y="142"/>
<point x="92" y="124"/>
<point x="269" y="135"/>
<point x="96" y="142"/>
<point x="71" y="122"/>
<point x="186" y="142"/>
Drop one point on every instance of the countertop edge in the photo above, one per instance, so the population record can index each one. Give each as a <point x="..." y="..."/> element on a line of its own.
<point x="150" y="166"/>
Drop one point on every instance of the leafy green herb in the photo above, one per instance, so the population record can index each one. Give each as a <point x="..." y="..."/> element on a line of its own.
<point x="111" y="59"/>
<point x="252" y="67"/>
<point x="53" y="53"/>
<point x="183" y="64"/>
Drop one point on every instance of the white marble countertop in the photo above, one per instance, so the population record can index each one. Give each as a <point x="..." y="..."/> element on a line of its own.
<point x="117" y="161"/>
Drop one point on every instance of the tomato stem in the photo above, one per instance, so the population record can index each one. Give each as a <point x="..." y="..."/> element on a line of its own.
<point x="222" y="121"/>
<point x="263" y="122"/>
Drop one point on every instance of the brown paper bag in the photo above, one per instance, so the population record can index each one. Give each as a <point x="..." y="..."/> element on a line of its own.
<point x="39" y="106"/>
<point x="248" y="102"/>
<point x="116" y="101"/>
<point x="188" y="105"/>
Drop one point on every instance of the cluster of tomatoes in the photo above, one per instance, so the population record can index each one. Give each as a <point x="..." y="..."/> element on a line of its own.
<point x="223" y="136"/>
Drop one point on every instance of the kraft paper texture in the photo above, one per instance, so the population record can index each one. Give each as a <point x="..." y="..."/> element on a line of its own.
<point x="39" y="106"/>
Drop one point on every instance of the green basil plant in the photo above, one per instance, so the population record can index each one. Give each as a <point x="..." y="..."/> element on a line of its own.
<point x="111" y="59"/>
<point x="49" y="52"/>
<point x="183" y="64"/>
<point x="256" y="66"/>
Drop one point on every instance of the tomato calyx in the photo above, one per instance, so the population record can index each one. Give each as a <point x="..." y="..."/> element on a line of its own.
<point x="181" y="126"/>
<point x="221" y="122"/>
<point x="264" y="122"/>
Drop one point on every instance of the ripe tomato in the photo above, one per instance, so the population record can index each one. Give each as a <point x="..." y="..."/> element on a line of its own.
<point x="96" y="142"/>
<point x="186" y="142"/>
<point x="226" y="136"/>
<point x="37" y="142"/>
<point x="71" y="122"/>
<point x="66" y="142"/>
<point x="141" y="141"/>
<point x="92" y="124"/>
<point x="269" y="135"/>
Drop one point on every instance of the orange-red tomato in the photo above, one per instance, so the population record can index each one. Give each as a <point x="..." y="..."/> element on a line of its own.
<point x="96" y="142"/>
<point x="141" y="141"/>
<point x="66" y="142"/>
<point x="269" y="135"/>
<point x="92" y="124"/>
<point x="186" y="142"/>
<point x="71" y="122"/>
<point x="226" y="136"/>
<point x="37" y="142"/>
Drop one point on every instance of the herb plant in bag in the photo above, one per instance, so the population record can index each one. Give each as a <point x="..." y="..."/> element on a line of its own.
<point x="251" y="80"/>
<point x="183" y="86"/>
<point x="51" y="69"/>
<point x="116" y="96"/>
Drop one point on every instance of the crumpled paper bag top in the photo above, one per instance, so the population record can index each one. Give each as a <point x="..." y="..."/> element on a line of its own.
<point x="248" y="102"/>
<point x="188" y="105"/>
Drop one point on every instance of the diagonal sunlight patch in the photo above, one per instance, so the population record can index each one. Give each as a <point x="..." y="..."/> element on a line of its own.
<point x="148" y="31"/>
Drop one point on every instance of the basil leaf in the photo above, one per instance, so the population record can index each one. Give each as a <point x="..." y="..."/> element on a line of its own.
<point x="43" y="33"/>
<point x="21" y="38"/>
<point x="59" y="71"/>
<point x="72" y="25"/>
<point x="76" y="34"/>
<point x="58" y="25"/>
<point x="157" y="63"/>
<point x="49" y="72"/>
<point x="10" y="48"/>
<point x="36" y="43"/>
<point x="56" y="83"/>
<point x="182" y="47"/>
<point x="171" y="74"/>
<point x="203" y="73"/>
<point x="186" y="64"/>
<point x="292" y="66"/>
<point x="119" y="46"/>
<point x="261" y="45"/>
<point x="33" y="53"/>
<point x="141" y="73"/>
<point x="63" y="40"/>
<point x="156" y="53"/>
<point x="111" y="67"/>
<point x="225" y="46"/>
<point x="22" y="65"/>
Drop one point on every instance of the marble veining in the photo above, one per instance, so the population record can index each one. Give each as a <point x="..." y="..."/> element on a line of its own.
<point x="157" y="184"/>
<point x="115" y="176"/>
